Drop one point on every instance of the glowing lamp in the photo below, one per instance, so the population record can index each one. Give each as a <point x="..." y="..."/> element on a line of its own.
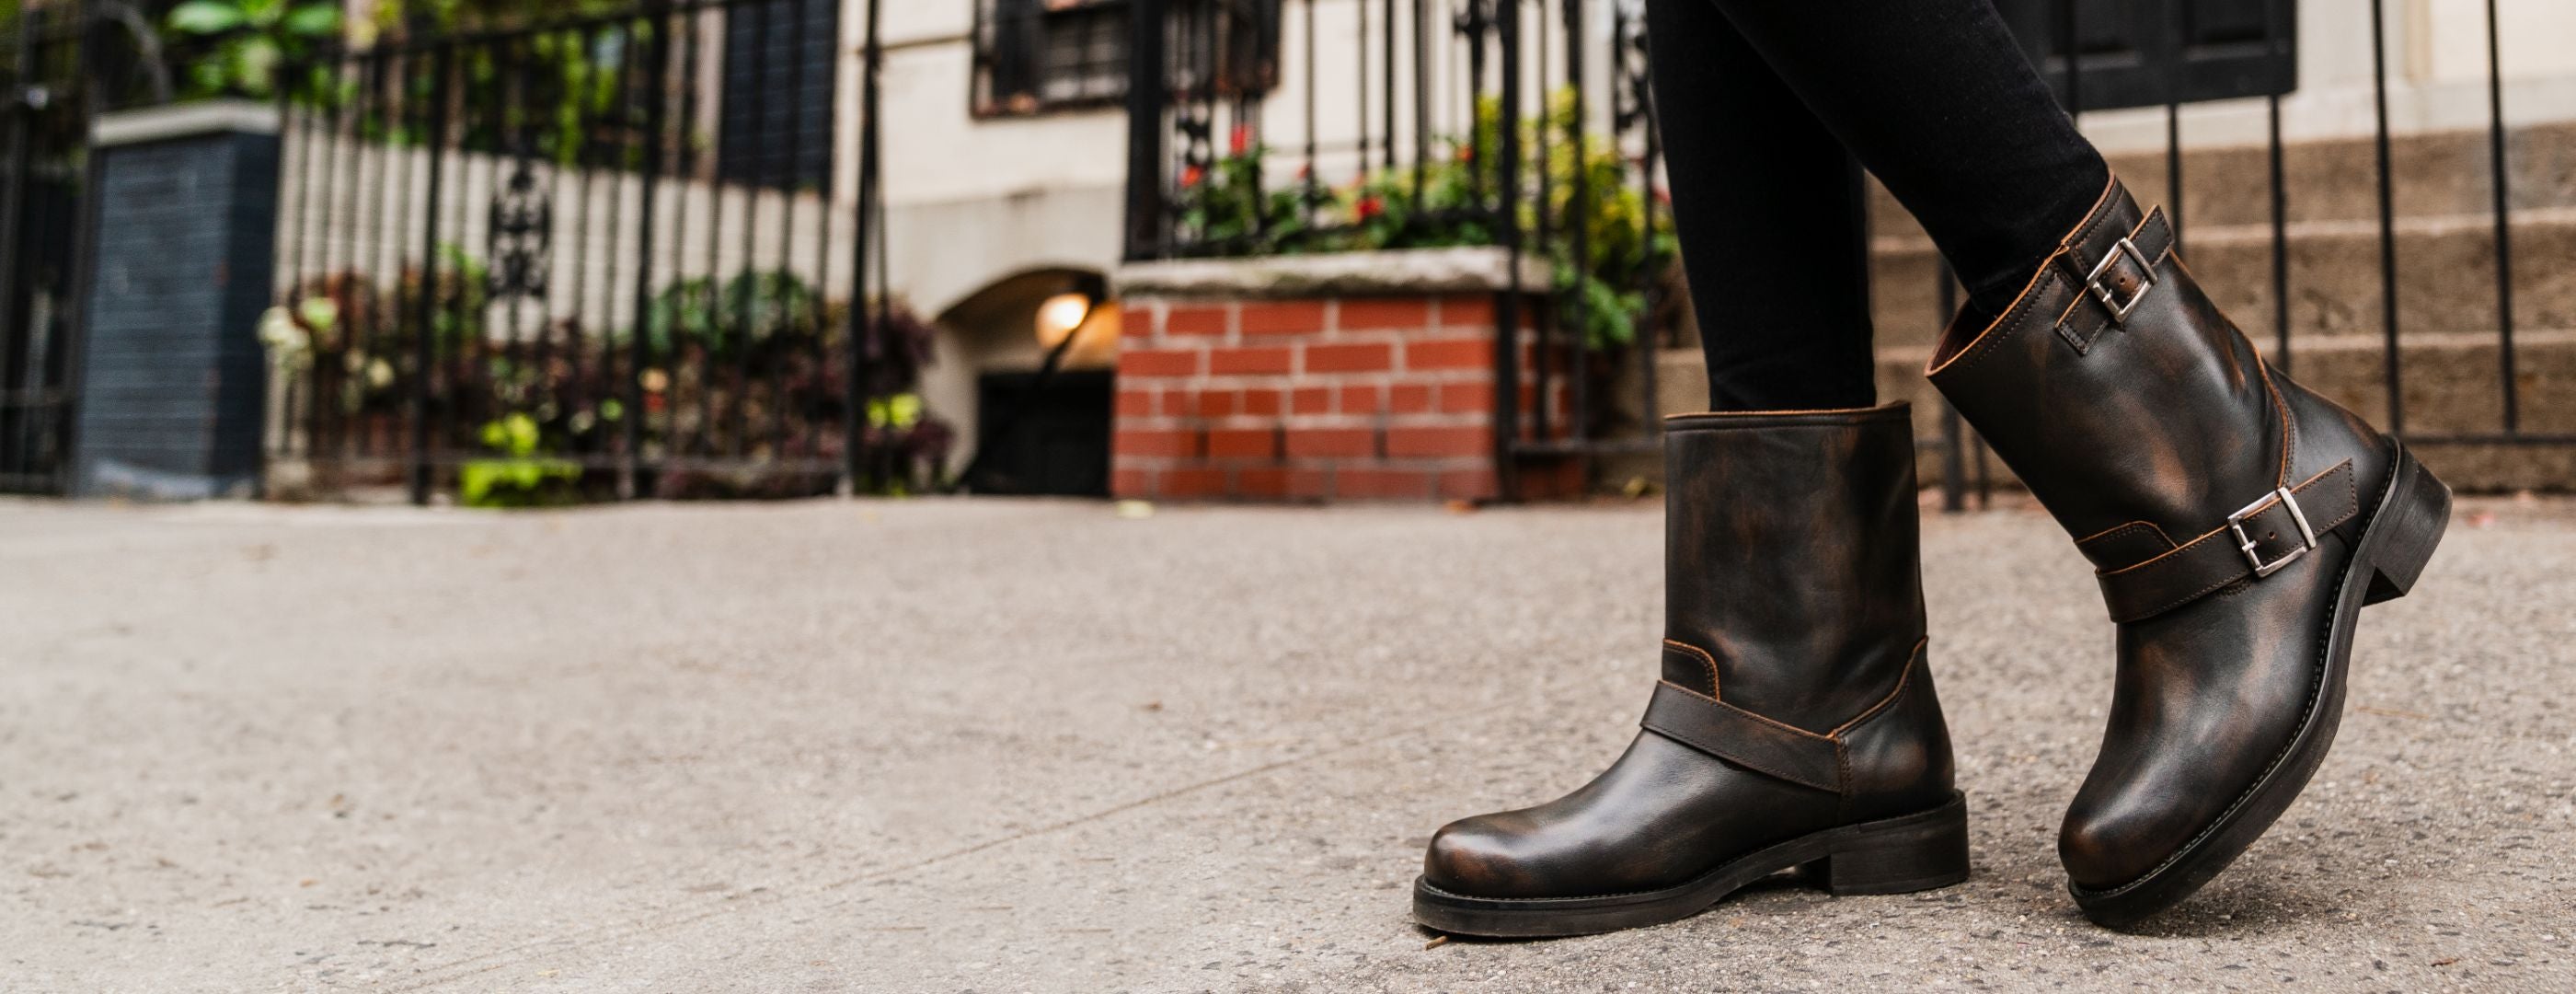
<point x="1060" y="316"/>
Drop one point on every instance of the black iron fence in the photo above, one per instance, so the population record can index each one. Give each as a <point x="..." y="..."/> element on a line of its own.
<point x="608" y="257"/>
<point x="621" y="256"/>
<point x="60" y="67"/>
<point x="1283" y="126"/>
<point x="1292" y="126"/>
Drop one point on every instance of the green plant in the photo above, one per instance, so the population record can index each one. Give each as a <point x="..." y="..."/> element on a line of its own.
<point x="1225" y="204"/>
<point x="452" y="15"/>
<point x="520" y="478"/>
<point x="1226" y="207"/>
<point x="753" y="309"/>
<point x="246" y="41"/>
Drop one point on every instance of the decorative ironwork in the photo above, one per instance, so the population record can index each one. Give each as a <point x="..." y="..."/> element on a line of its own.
<point x="1632" y="97"/>
<point x="520" y="244"/>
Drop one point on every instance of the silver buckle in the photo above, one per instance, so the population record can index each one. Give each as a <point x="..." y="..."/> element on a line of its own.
<point x="2146" y="280"/>
<point x="2246" y="544"/>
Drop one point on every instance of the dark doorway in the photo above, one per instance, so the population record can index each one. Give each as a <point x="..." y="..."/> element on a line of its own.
<point x="1043" y="442"/>
<point x="2139" y="53"/>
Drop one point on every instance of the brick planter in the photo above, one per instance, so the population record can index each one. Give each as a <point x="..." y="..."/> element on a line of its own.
<point x="1364" y="376"/>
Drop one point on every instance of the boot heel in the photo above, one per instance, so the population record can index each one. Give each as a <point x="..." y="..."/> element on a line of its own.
<point x="1899" y="855"/>
<point x="2411" y="523"/>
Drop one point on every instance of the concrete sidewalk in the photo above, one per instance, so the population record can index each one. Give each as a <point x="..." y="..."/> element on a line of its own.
<point x="998" y="746"/>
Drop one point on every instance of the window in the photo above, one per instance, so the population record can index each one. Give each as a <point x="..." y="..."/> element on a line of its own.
<point x="779" y="81"/>
<point x="2137" y="53"/>
<point x="1033" y="55"/>
<point x="1038" y="55"/>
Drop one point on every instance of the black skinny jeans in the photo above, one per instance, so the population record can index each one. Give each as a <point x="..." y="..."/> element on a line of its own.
<point x="1771" y="108"/>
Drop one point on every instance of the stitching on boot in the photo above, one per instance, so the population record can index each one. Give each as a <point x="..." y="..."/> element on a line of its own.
<point x="2289" y="424"/>
<point x="1903" y="678"/>
<point x="1773" y="722"/>
<point x="2116" y="530"/>
<point x="1714" y="688"/>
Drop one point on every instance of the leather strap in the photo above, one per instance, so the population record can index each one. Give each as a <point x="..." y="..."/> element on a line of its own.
<point x="1744" y="738"/>
<point x="2093" y="275"/>
<point x="2218" y="558"/>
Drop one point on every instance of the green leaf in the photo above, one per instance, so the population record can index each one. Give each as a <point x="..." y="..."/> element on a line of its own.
<point x="207" y="17"/>
<point x="255" y="66"/>
<point x="319" y="313"/>
<point x="313" y="20"/>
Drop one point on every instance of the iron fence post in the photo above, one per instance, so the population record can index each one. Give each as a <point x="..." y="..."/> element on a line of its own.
<point x="18" y="402"/>
<point x="84" y="267"/>
<point x="639" y="342"/>
<point x="1578" y="231"/>
<point x="425" y="341"/>
<point x="2387" y="217"/>
<point x="1507" y="310"/>
<point x="2499" y="179"/>
<point x="854" y="453"/>
<point x="1148" y="91"/>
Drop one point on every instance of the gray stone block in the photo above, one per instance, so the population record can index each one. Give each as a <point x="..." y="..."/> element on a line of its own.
<point x="172" y="374"/>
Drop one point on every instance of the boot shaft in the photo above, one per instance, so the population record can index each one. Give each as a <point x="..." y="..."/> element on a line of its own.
<point x="2115" y="389"/>
<point x="2147" y="423"/>
<point x="1793" y="585"/>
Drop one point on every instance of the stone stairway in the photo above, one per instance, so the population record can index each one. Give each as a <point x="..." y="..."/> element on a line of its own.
<point x="2449" y="361"/>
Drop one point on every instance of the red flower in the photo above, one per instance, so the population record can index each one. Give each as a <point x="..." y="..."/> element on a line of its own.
<point x="1466" y="153"/>
<point x="1241" y="140"/>
<point x="1191" y="175"/>
<point x="1369" y="208"/>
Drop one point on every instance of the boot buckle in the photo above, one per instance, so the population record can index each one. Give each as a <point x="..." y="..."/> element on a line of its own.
<point x="2251" y="548"/>
<point x="2109" y="296"/>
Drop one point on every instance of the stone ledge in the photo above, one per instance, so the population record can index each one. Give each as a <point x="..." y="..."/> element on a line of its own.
<point x="187" y="120"/>
<point x="1444" y="270"/>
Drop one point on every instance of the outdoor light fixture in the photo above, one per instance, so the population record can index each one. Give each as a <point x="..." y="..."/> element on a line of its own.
<point x="1063" y="314"/>
<point x="1060" y="316"/>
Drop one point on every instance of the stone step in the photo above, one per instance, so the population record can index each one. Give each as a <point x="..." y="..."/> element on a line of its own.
<point x="2446" y="276"/>
<point x="2450" y="383"/>
<point x="2434" y="174"/>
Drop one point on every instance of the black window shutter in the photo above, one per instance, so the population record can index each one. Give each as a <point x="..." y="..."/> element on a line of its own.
<point x="781" y="60"/>
<point x="2138" y="53"/>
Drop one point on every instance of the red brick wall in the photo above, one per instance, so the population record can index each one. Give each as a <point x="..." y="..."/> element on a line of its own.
<point x="1342" y="398"/>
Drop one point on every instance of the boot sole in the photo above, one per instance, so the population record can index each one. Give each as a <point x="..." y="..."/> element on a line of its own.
<point x="2403" y="530"/>
<point x="1915" y="852"/>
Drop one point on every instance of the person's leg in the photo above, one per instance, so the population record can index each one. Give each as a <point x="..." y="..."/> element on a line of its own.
<point x="1773" y="229"/>
<point x="1938" y="100"/>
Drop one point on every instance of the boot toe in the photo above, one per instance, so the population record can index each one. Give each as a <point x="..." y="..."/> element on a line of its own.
<point x="2107" y="845"/>
<point x="1483" y="856"/>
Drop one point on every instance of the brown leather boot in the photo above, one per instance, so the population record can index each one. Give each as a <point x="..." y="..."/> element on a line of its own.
<point x="1795" y="724"/>
<point x="2236" y="521"/>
